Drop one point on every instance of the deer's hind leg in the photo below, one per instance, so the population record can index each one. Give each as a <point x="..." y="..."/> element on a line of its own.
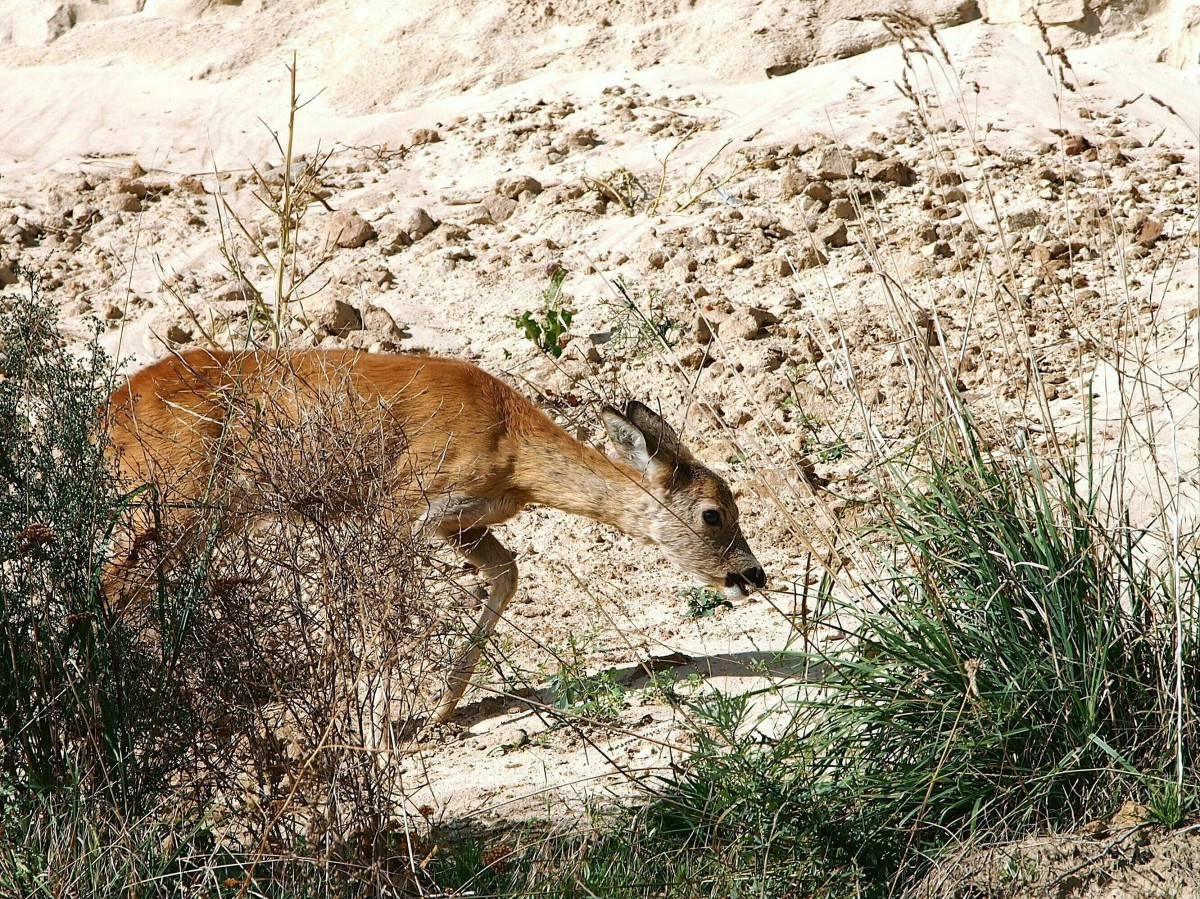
<point x="499" y="567"/>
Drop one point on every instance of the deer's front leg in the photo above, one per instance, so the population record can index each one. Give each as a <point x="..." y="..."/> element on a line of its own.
<point x="499" y="567"/>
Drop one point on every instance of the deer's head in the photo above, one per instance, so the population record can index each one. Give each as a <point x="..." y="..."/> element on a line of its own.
<point x="693" y="516"/>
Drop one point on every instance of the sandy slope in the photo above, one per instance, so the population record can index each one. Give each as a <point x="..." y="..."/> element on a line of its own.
<point x="585" y="89"/>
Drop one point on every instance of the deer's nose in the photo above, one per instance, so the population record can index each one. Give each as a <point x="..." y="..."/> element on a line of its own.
<point x="744" y="579"/>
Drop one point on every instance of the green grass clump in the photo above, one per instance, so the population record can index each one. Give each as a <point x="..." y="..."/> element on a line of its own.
<point x="1033" y="661"/>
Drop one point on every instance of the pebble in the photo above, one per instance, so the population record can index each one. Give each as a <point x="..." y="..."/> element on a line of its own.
<point x="733" y="261"/>
<point x="349" y="230"/>
<point x="834" y="163"/>
<point x="832" y="234"/>
<point x="423" y="136"/>
<point x="415" y="222"/>
<point x="514" y="185"/>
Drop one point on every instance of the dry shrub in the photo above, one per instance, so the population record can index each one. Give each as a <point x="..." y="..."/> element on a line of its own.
<point x="321" y="612"/>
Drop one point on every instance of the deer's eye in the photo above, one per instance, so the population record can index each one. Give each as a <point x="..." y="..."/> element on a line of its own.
<point x="711" y="517"/>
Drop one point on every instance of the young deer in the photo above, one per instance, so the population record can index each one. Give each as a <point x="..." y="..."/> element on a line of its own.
<point x="479" y="451"/>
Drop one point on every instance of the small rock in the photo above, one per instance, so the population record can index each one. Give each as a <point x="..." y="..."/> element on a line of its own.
<point x="582" y="138"/>
<point x="1150" y="231"/>
<point x="423" y="136"/>
<point x="332" y="316"/>
<point x="381" y="276"/>
<point x="515" y="185"/>
<point x="125" y="203"/>
<point x="1074" y="144"/>
<point x="748" y="323"/>
<point x="842" y="209"/>
<point x="191" y="184"/>
<point x="893" y="171"/>
<point x="1048" y="174"/>
<point x="7" y="275"/>
<point x="349" y="230"/>
<point x="834" y="163"/>
<point x="379" y="321"/>
<point x="733" y="261"/>
<point x="702" y="330"/>
<point x="415" y="222"/>
<point x="819" y="191"/>
<point x="792" y="183"/>
<point x="499" y="207"/>
<point x="697" y="358"/>
<point x="112" y="312"/>
<point x="178" y="333"/>
<point x="832" y="234"/>
<point x="946" y="178"/>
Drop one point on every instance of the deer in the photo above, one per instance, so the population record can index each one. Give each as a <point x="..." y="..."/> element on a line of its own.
<point x="480" y="450"/>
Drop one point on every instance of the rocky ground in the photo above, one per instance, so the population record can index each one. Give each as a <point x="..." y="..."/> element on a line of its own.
<point x="767" y="218"/>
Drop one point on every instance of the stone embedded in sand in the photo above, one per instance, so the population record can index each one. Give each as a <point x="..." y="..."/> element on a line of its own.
<point x="834" y="163"/>
<point x="415" y="222"/>
<point x="500" y="208"/>
<point x="1074" y="144"/>
<point x="513" y="186"/>
<point x="349" y="230"/>
<point x="792" y="183"/>
<point x="422" y="136"/>
<point x="703" y="329"/>
<point x="1151" y="230"/>
<point x="832" y="234"/>
<point x="379" y="321"/>
<point x="748" y="323"/>
<point x="1048" y="174"/>
<point x="842" y="209"/>
<point x="331" y="316"/>
<point x="179" y="333"/>
<point x="125" y="203"/>
<point x="734" y="261"/>
<point x="191" y="184"/>
<point x="946" y="178"/>
<point x="893" y="171"/>
<point x="582" y="138"/>
<point x="7" y="275"/>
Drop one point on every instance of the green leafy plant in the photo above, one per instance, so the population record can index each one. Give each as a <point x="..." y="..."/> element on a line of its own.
<point x="704" y="602"/>
<point x="595" y="696"/>
<point x="547" y="328"/>
<point x="639" y="330"/>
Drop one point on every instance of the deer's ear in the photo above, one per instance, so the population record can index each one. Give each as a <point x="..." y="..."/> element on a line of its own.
<point x="661" y="440"/>
<point x="628" y="439"/>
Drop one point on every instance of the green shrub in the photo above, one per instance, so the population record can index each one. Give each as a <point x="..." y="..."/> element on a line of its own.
<point x="82" y="700"/>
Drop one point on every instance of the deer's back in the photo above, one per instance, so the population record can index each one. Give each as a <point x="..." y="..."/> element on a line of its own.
<point x="459" y="426"/>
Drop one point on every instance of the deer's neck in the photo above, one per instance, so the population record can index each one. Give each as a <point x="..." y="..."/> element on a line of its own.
<point x="557" y="470"/>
